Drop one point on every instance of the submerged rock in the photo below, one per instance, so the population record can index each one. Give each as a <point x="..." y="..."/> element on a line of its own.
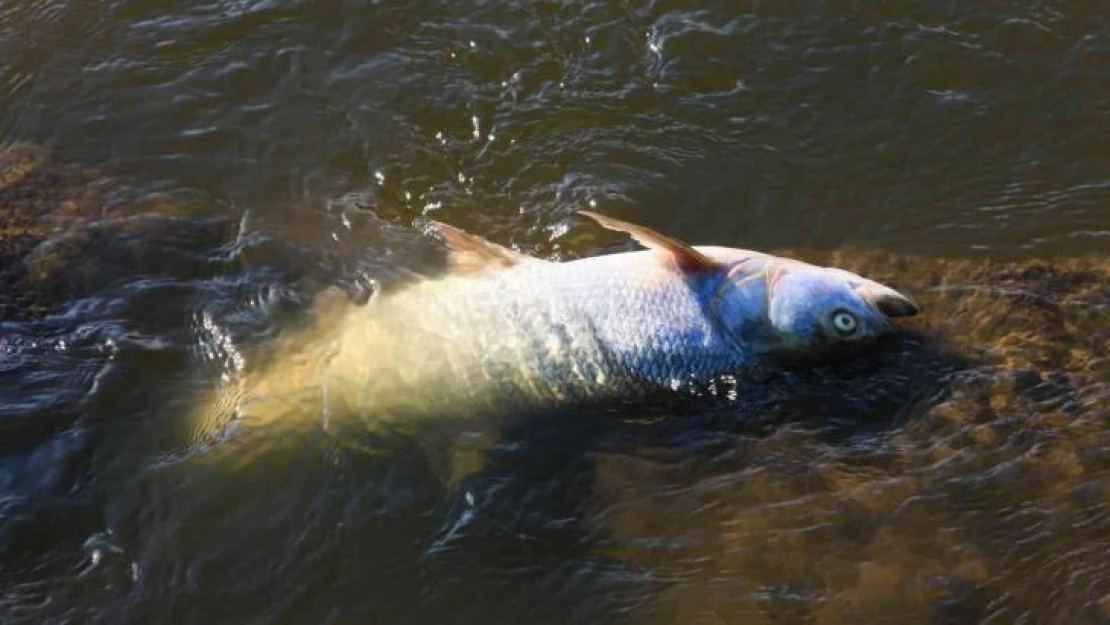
<point x="39" y="200"/>
<point x="68" y="231"/>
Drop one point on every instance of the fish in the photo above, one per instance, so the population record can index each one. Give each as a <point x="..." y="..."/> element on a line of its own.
<point x="502" y="333"/>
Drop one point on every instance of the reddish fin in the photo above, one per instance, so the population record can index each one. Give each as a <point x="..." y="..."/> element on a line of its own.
<point x="469" y="253"/>
<point x="686" y="257"/>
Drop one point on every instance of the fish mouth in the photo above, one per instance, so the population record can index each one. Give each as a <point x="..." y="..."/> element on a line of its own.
<point x="886" y="300"/>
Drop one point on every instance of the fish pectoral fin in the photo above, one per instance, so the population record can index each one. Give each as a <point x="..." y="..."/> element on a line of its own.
<point x="685" y="256"/>
<point x="468" y="252"/>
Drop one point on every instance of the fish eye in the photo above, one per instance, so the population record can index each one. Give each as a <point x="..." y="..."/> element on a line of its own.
<point x="844" y="323"/>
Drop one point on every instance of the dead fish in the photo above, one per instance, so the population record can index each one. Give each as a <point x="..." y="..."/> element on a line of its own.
<point x="501" y="332"/>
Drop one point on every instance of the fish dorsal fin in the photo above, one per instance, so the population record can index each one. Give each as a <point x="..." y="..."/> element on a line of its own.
<point x="685" y="256"/>
<point x="470" y="253"/>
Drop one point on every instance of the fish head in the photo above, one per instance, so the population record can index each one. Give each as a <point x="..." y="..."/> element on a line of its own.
<point x="799" y="311"/>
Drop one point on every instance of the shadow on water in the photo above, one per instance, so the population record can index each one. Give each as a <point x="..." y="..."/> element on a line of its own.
<point x="543" y="475"/>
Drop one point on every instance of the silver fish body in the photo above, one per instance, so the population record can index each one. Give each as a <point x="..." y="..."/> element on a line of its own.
<point x="516" y="334"/>
<point x="534" y="335"/>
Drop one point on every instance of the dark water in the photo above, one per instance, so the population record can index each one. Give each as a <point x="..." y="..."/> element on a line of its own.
<point x="958" y="149"/>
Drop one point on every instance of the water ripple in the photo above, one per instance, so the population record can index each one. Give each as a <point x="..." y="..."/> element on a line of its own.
<point x="957" y="477"/>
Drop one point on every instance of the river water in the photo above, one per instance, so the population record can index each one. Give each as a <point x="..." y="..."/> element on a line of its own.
<point x="957" y="149"/>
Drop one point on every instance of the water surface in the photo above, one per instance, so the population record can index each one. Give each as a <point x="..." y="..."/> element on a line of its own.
<point x="956" y="149"/>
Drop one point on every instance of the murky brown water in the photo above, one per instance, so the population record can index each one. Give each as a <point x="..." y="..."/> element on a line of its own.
<point x="247" y="153"/>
